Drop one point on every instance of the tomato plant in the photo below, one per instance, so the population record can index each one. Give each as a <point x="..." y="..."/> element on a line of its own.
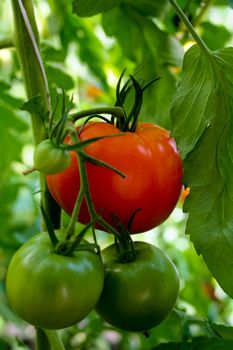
<point x="51" y="290"/>
<point x="50" y="159"/>
<point x="138" y="295"/>
<point x="153" y="176"/>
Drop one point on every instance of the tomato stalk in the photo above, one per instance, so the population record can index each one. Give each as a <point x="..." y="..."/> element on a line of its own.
<point x="26" y="42"/>
<point x="84" y="192"/>
<point x="48" y="340"/>
<point x="54" y="340"/>
<point x="42" y="342"/>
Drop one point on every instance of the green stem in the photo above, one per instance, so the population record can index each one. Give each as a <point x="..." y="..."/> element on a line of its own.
<point x="190" y="27"/>
<point x="93" y="214"/>
<point x="71" y="227"/>
<point x="6" y="43"/>
<point x="26" y="40"/>
<point x="118" y="112"/>
<point x="42" y="342"/>
<point x="54" y="340"/>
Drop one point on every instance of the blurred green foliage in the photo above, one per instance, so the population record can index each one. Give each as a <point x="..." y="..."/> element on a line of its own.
<point x="86" y="56"/>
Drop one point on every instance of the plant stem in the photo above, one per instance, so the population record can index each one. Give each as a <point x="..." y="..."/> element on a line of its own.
<point x="26" y="40"/>
<point x="42" y="342"/>
<point x="190" y="27"/>
<point x="6" y="43"/>
<point x="73" y="220"/>
<point x="93" y="214"/>
<point x="118" y="112"/>
<point x="54" y="340"/>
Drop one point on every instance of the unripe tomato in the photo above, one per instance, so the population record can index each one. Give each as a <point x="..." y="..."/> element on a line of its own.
<point x="50" y="159"/>
<point x="50" y="290"/>
<point x="140" y="294"/>
<point x="153" y="176"/>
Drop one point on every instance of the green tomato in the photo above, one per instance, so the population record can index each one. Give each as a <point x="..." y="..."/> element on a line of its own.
<point x="50" y="159"/>
<point x="53" y="291"/>
<point x="140" y="294"/>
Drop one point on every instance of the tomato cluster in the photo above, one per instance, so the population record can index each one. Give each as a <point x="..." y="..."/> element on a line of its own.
<point x="123" y="177"/>
<point x="135" y="295"/>
<point x="53" y="291"/>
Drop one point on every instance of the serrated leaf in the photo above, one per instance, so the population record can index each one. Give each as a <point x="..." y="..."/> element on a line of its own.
<point x="87" y="8"/>
<point x="202" y="113"/>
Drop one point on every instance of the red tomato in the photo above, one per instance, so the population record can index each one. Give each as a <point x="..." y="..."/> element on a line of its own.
<point x="153" y="176"/>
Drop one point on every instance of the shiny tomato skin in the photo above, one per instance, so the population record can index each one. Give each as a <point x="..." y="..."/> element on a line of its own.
<point x="50" y="290"/>
<point x="140" y="294"/>
<point x="153" y="176"/>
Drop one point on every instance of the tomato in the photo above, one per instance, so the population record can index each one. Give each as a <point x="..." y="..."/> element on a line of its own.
<point x="50" y="290"/>
<point x="140" y="294"/>
<point x="50" y="159"/>
<point x="153" y="176"/>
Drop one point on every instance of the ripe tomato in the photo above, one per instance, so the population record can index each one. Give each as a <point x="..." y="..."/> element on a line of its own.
<point x="140" y="294"/>
<point x="50" y="290"/>
<point x="153" y="176"/>
<point x="50" y="159"/>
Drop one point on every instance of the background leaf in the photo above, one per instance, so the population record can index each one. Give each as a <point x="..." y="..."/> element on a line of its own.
<point x="153" y="51"/>
<point x="86" y="8"/>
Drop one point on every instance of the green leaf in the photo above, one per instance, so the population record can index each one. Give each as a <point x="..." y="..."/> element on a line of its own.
<point x="202" y="113"/>
<point x="87" y="8"/>
<point x="198" y="344"/>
